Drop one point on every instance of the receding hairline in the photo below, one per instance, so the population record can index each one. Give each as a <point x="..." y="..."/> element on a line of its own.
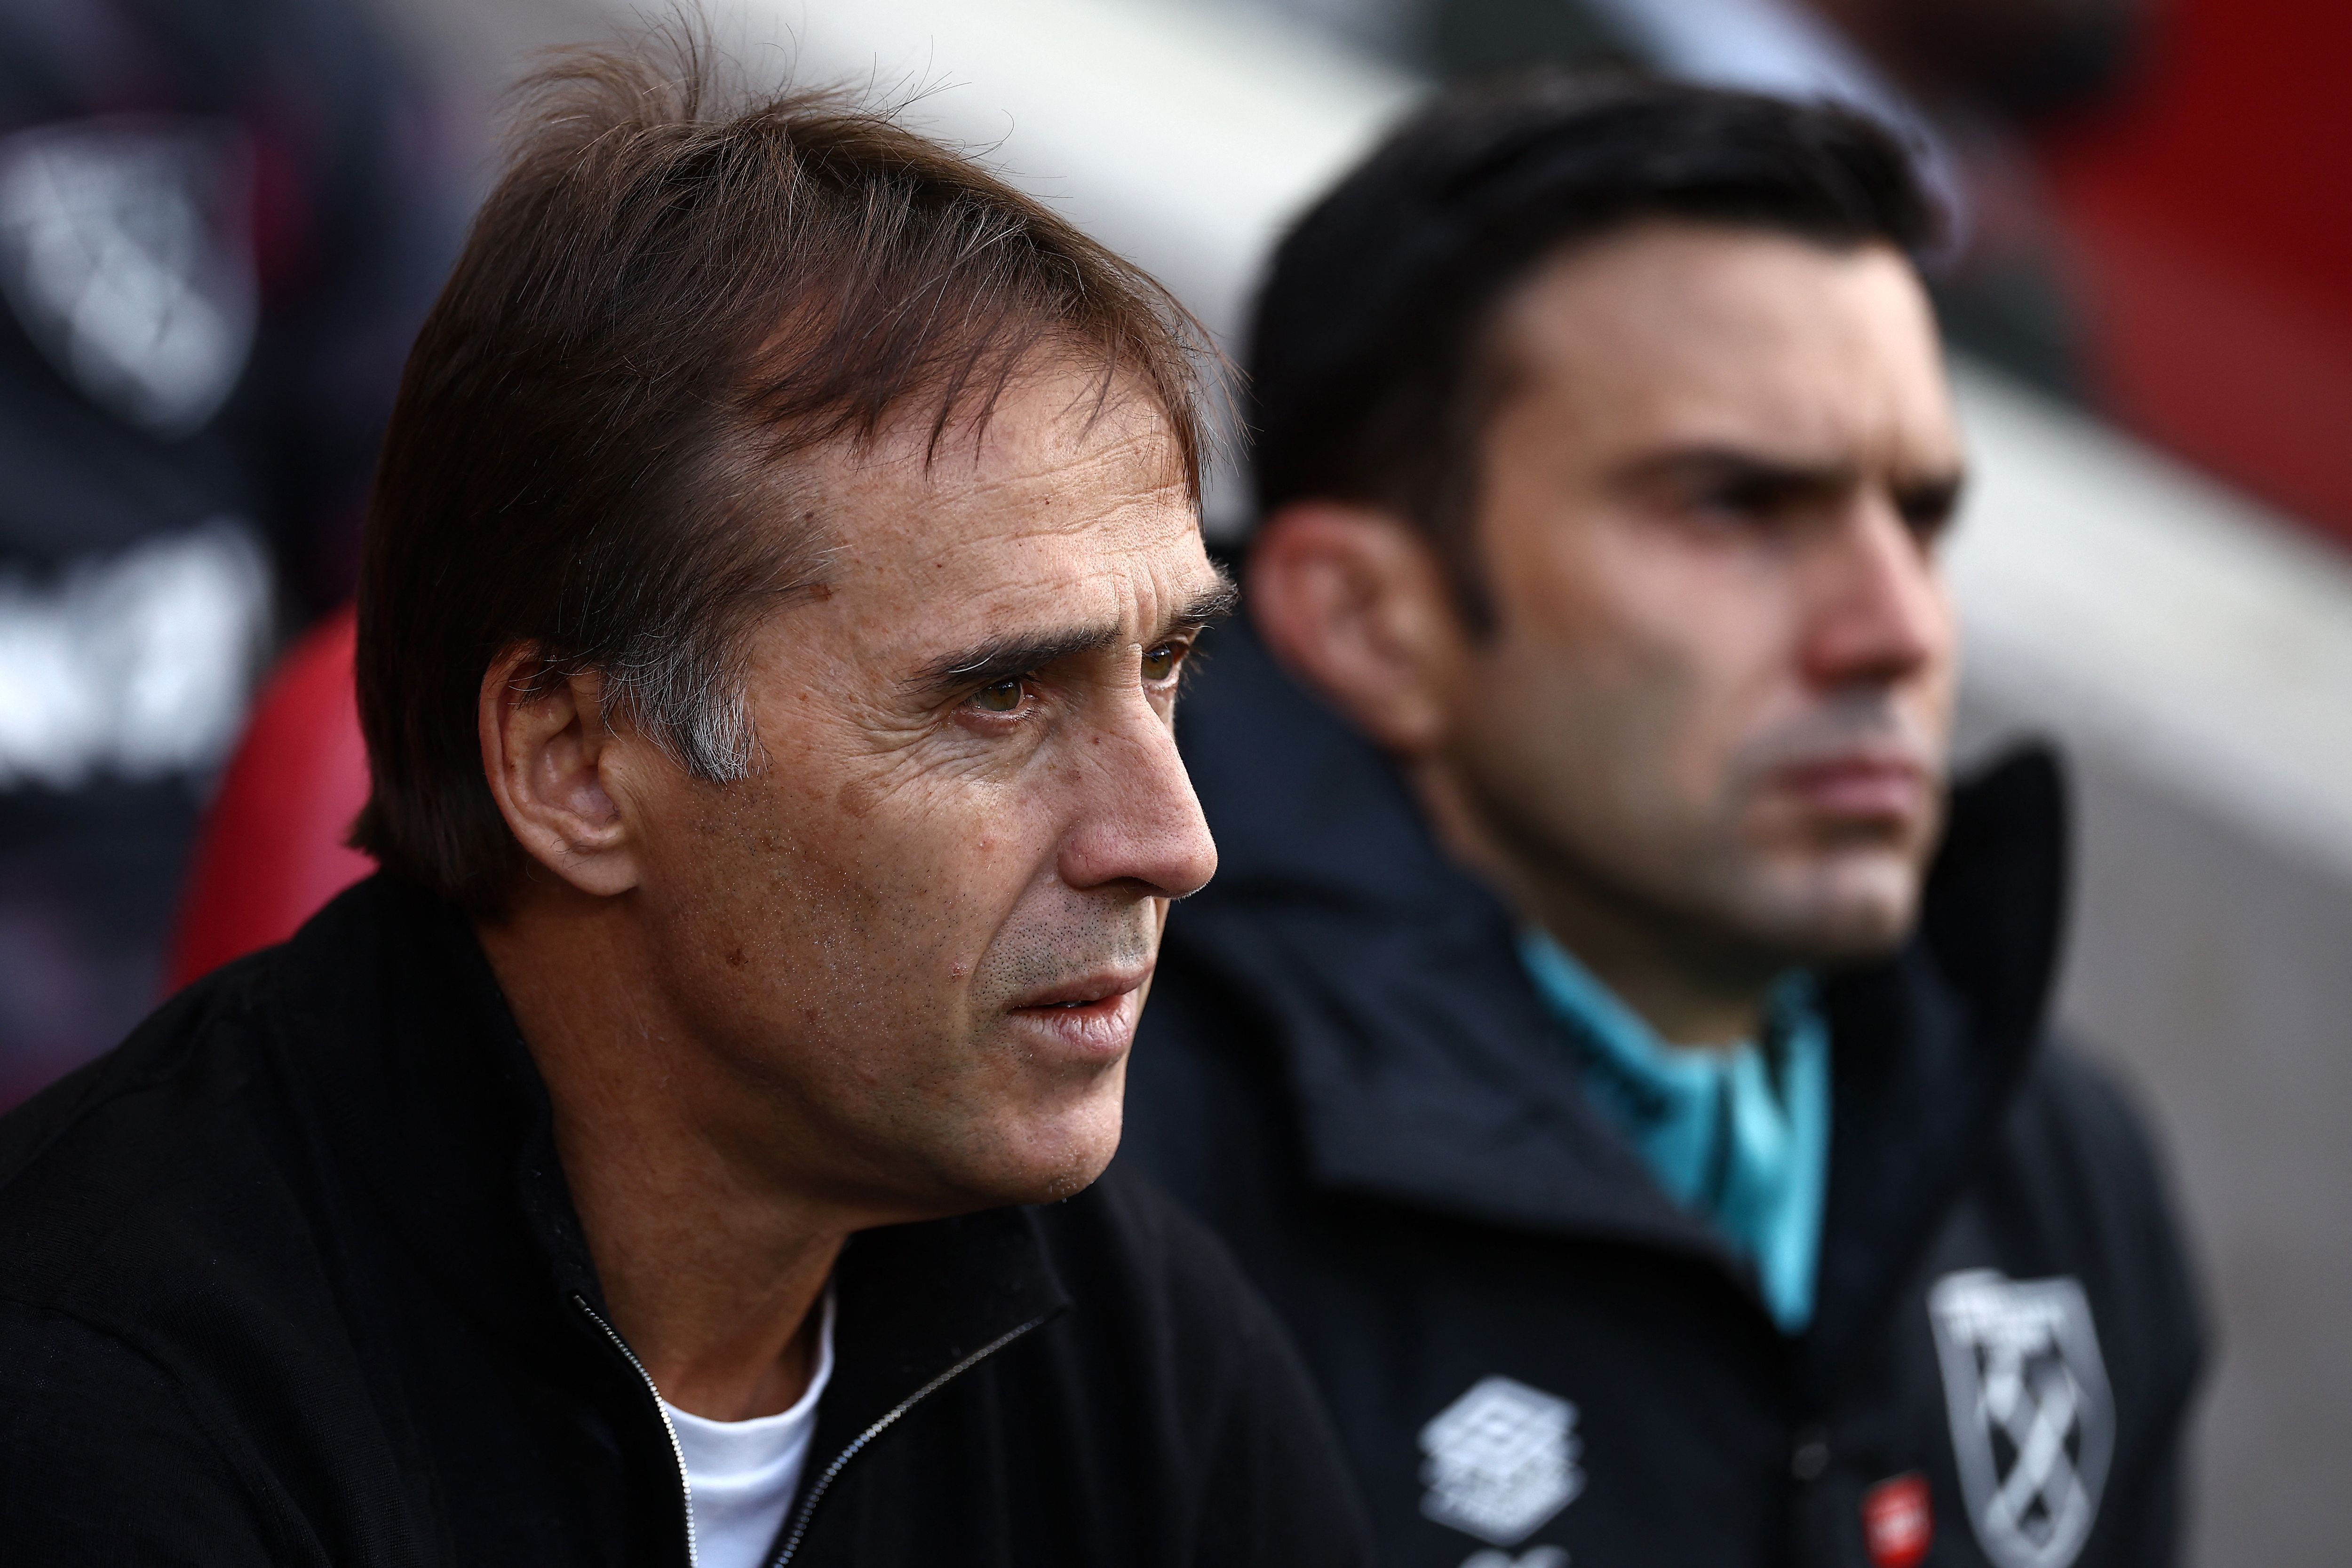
<point x="1108" y="397"/>
<point x="1106" y="378"/>
<point x="799" y="498"/>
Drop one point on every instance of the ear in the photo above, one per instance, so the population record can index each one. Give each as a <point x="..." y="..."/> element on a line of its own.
<point x="551" y="763"/>
<point x="1352" y="601"/>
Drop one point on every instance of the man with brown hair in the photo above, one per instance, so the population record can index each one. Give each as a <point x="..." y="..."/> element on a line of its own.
<point x="779" y="574"/>
<point x="1613" y="1043"/>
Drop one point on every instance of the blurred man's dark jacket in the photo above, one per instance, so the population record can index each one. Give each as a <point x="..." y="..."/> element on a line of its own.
<point x="1529" y="1350"/>
<point x="220" y="223"/>
<point x="294" y="1277"/>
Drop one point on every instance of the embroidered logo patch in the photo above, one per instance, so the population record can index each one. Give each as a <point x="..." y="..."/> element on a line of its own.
<point x="2033" y="1419"/>
<point x="1501" y="1461"/>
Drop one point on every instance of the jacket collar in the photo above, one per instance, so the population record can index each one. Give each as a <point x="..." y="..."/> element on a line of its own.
<point x="1425" y="1072"/>
<point x="422" y="1097"/>
<point x="1931" y="1047"/>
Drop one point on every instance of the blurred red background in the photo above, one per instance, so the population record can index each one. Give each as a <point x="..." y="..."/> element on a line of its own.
<point x="2209" y="213"/>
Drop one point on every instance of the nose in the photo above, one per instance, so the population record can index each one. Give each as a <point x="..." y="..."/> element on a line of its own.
<point x="1880" y="613"/>
<point x="1138" y="821"/>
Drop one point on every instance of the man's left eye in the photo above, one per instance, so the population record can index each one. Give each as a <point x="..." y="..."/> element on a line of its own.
<point x="1003" y="696"/>
<point x="1160" y="661"/>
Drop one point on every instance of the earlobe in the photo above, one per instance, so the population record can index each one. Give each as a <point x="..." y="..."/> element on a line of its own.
<point x="1351" y="600"/>
<point x="549" y="755"/>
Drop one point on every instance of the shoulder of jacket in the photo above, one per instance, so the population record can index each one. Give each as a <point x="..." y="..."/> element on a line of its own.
<point x="2073" y="1114"/>
<point x="128" y="1144"/>
<point x="2079" y="1148"/>
<point x="108" y="1459"/>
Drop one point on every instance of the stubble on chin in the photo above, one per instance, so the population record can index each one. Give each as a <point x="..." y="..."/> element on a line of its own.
<point x="1015" y="1125"/>
<point x="1829" y="904"/>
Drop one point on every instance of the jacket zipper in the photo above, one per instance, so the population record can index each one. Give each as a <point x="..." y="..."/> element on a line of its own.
<point x="677" y="1452"/>
<point x="792" y="1542"/>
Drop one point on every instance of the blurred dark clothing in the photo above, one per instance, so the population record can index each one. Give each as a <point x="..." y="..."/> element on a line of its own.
<point x="220" y="223"/>
<point x="1527" y="1348"/>
<point x="2002" y="288"/>
<point x="294" y="1277"/>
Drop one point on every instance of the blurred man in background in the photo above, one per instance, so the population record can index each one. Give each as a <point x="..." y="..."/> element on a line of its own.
<point x="219" y="226"/>
<point x="1648" y="1129"/>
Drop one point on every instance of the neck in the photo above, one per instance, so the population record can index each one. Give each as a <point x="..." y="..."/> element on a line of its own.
<point x="1692" y="987"/>
<point x="712" y="1272"/>
<point x="1687" y="1000"/>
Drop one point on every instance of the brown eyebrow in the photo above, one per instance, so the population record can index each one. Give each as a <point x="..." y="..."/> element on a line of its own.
<point x="1024" y="653"/>
<point x="1728" y="465"/>
<point x="1747" y="469"/>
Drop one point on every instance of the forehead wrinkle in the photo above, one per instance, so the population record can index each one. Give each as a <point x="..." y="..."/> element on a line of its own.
<point x="960" y="510"/>
<point x="1780" y="423"/>
<point x="1117" y="480"/>
<point x="1025" y="435"/>
<point x="1047" y="537"/>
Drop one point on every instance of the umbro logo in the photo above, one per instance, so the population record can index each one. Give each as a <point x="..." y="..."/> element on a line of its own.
<point x="1501" y="1461"/>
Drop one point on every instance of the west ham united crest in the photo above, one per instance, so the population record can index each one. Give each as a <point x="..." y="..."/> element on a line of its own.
<point x="1502" y="1460"/>
<point x="2033" y="1419"/>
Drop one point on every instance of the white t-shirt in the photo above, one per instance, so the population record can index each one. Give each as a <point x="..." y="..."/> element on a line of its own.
<point x="742" y="1475"/>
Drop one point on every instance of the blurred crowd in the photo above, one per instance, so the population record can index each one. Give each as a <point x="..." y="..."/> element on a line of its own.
<point x="219" y="227"/>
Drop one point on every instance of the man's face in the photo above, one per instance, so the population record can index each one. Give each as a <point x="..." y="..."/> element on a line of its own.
<point x="1719" y="680"/>
<point x="915" y="942"/>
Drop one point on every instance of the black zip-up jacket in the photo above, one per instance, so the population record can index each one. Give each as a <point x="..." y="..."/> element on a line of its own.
<point x="1345" y="1069"/>
<point x="292" y="1277"/>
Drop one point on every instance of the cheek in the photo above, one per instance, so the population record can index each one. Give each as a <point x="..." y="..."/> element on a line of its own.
<point x="1675" y="635"/>
<point x="1942" y="682"/>
<point x="1713" y="653"/>
<point x="1649" y="692"/>
<point x="939" y="870"/>
<point x="785" y="913"/>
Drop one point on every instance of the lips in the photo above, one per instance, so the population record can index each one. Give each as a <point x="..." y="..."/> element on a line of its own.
<point x="1858" y="787"/>
<point x="1087" y="989"/>
<point x="1092" y="1016"/>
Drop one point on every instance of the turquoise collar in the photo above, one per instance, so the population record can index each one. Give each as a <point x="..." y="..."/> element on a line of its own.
<point x="1737" y="1134"/>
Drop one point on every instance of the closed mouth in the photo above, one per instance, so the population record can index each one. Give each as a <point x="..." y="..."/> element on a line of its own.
<point x="1103" y="991"/>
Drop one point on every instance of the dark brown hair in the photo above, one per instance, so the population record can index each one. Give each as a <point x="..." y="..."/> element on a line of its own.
<point x="1372" y="369"/>
<point x="667" y="295"/>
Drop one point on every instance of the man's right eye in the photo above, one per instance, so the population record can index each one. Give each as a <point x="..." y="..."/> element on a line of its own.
<point x="1005" y="697"/>
<point x="1747" y="501"/>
